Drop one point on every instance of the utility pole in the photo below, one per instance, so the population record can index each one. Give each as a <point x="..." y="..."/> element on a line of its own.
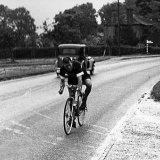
<point x="119" y="49"/>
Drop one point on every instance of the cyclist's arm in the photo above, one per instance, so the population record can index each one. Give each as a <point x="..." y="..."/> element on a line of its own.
<point x="62" y="81"/>
<point x="79" y="76"/>
<point x="62" y="85"/>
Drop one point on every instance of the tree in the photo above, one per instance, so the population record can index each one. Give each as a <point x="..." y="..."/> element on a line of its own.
<point x="128" y="37"/>
<point x="87" y="22"/>
<point x="15" y="25"/>
<point x="47" y="36"/>
<point x="109" y="14"/>
<point x="33" y="40"/>
<point x="75" y="24"/>
<point x="23" y="25"/>
<point x="64" y="26"/>
<point x="6" y="28"/>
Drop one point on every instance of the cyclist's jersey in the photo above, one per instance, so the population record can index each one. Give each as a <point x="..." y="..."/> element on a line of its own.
<point x="74" y="73"/>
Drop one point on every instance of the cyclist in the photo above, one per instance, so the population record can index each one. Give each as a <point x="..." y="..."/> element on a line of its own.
<point x="77" y="75"/>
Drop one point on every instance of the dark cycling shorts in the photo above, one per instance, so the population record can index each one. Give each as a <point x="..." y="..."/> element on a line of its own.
<point x="74" y="81"/>
<point x="85" y="76"/>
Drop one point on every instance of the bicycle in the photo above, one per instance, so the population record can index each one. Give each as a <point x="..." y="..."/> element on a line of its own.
<point x="71" y="109"/>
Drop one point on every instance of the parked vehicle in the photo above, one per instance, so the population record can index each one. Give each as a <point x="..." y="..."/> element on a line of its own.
<point x="75" y="51"/>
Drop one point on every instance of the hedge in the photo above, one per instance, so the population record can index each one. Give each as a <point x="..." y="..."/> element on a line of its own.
<point x="32" y="53"/>
<point x="114" y="51"/>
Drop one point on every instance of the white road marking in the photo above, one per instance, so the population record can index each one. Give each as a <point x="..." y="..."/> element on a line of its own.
<point x="43" y="115"/>
<point x="60" y="138"/>
<point x="17" y="131"/>
<point x="100" y="127"/>
<point x="49" y="143"/>
<point x="7" y="128"/>
<point x="96" y="132"/>
<point x="18" y="124"/>
<point x="51" y="136"/>
<point x="89" y="146"/>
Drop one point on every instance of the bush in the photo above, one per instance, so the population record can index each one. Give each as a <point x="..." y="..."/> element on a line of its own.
<point x="96" y="50"/>
<point x="154" y="50"/>
<point x="30" y="53"/>
<point x="155" y="93"/>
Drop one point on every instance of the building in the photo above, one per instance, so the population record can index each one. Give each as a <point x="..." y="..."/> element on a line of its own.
<point x="138" y="24"/>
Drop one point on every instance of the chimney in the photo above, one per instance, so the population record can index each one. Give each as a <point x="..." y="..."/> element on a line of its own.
<point x="129" y="16"/>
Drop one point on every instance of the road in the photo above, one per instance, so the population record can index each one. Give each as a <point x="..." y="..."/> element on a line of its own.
<point x="31" y="111"/>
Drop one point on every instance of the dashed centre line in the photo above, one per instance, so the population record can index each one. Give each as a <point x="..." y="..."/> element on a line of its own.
<point x="42" y="115"/>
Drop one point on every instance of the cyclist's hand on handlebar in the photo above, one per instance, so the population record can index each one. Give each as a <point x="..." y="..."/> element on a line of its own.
<point x="62" y="85"/>
<point x="60" y="91"/>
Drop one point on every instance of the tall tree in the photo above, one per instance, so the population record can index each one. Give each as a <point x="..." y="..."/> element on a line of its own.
<point x="33" y="40"/>
<point x="109" y="13"/>
<point x="87" y="21"/>
<point x="47" y="36"/>
<point x="75" y="24"/>
<point x="23" y="24"/>
<point x="6" y="28"/>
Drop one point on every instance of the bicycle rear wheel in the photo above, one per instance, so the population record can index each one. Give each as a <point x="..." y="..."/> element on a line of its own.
<point x="68" y="116"/>
<point x="81" y="116"/>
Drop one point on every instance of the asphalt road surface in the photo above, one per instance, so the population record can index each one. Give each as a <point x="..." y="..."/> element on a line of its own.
<point x="31" y="111"/>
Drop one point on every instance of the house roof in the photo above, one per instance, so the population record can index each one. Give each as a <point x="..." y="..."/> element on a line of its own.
<point x="140" y="20"/>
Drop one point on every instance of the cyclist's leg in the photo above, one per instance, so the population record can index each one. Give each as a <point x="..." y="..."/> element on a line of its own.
<point x="88" y="83"/>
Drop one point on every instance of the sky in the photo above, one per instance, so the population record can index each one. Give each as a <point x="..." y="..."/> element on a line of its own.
<point x="42" y="10"/>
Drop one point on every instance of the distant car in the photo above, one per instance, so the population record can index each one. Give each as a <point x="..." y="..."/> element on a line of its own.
<point x="75" y="51"/>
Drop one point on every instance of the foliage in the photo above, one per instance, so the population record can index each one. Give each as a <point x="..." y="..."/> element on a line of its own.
<point x="75" y="24"/>
<point x="34" y="52"/>
<point x="91" y="40"/>
<point x="128" y="37"/>
<point x="6" y="31"/>
<point x="88" y="23"/>
<point x="15" y="25"/>
<point x="149" y="9"/>
<point x="33" y="40"/>
<point x="109" y="13"/>
<point x="7" y="39"/>
<point x="24" y="25"/>
<point x="46" y="37"/>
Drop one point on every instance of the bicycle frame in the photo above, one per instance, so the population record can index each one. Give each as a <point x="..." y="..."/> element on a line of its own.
<point x="73" y="92"/>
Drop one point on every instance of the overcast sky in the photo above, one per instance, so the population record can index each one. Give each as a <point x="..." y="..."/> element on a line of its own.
<point x="41" y="10"/>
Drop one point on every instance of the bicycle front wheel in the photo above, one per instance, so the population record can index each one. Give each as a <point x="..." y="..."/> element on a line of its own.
<point x="81" y="116"/>
<point x="68" y="116"/>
